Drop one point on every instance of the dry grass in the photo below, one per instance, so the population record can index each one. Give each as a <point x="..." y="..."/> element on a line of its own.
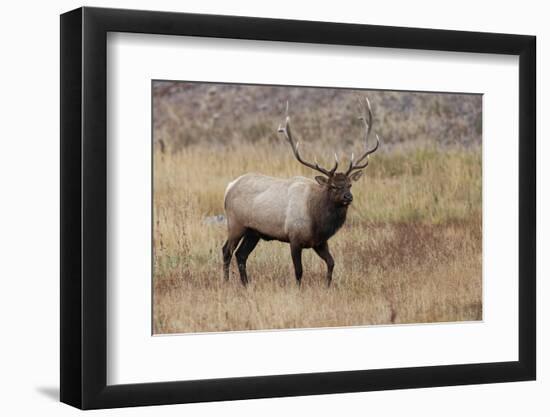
<point x="410" y="251"/>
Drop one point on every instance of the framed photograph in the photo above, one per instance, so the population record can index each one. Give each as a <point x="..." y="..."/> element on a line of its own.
<point x="257" y="208"/>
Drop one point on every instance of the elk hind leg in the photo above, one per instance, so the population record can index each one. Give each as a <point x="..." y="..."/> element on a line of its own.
<point x="228" y="248"/>
<point x="246" y="247"/>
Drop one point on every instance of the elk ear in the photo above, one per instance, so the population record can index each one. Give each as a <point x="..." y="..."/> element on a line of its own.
<point x="356" y="175"/>
<point x="321" y="180"/>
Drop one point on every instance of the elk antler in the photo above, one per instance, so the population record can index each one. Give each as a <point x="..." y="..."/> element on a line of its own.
<point x="366" y="117"/>
<point x="288" y="134"/>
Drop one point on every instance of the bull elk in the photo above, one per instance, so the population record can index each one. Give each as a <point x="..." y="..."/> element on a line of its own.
<point x="300" y="211"/>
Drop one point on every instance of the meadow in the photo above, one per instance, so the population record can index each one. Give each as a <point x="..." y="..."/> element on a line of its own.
<point x="409" y="252"/>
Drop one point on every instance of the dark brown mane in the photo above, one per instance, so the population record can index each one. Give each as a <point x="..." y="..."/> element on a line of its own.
<point x="326" y="217"/>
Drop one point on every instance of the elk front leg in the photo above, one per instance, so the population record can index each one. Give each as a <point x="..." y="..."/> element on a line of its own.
<point x="296" y="252"/>
<point x="324" y="254"/>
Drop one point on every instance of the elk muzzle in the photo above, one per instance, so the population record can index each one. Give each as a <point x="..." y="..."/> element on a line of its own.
<point x="347" y="198"/>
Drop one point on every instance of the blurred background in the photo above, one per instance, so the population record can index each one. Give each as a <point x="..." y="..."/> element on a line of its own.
<point x="190" y="113"/>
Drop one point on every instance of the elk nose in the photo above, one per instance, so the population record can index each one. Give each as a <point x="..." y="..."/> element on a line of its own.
<point x="348" y="197"/>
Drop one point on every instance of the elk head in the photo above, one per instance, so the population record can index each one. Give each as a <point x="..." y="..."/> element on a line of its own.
<point x="338" y="184"/>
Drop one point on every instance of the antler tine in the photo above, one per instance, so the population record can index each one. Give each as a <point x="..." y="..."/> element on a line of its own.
<point x="366" y="155"/>
<point x="335" y="167"/>
<point x="351" y="162"/>
<point x="288" y="135"/>
<point x="366" y="118"/>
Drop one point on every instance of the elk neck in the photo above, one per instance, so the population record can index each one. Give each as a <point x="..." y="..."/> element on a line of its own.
<point x="327" y="216"/>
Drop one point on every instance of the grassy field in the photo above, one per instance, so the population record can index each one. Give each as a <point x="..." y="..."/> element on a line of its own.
<point x="410" y="251"/>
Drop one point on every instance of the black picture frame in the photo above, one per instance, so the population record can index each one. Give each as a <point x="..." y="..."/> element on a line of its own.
<point x="84" y="207"/>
